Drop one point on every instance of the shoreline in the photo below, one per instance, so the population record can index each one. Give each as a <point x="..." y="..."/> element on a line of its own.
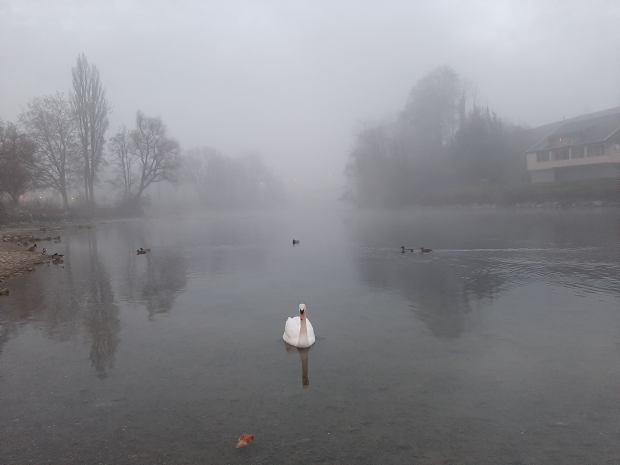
<point x="15" y="259"/>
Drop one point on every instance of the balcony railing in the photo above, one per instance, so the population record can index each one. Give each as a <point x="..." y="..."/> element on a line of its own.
<point x="573" y="156"/>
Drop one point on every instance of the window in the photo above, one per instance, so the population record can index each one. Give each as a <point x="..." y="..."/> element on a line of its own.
<point x="596" y="151"/>
<point x="577" y="152"/>
<point x="561" y="154"/>
<point x="542" y="156"/>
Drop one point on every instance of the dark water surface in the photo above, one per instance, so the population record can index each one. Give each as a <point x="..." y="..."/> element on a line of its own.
<point x="502" y="346"/>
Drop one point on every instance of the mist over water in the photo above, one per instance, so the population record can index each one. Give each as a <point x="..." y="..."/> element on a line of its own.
<point x="234" y="126"/>
<point x="496" y="347"/>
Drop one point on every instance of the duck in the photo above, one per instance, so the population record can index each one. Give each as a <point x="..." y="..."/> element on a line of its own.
<point x="298" y="331"/>
<point x="423" y="250"/>
<point x="32" y="248"/>
<point x="295" y="241"/>
<point x="57" y="256"/>
<point x="141" y="251"/>
<point x="403" y="249"/>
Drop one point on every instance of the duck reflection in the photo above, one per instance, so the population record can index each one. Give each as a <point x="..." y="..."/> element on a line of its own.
<point x="303" y="357"/>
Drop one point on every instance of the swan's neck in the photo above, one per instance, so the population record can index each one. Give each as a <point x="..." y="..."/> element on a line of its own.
<point x="303" y="333"/>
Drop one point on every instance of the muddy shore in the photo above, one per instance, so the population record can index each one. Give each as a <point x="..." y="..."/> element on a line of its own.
<point x="15" y="258"/>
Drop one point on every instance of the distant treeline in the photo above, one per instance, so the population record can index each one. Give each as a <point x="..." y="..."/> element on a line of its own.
<point x="221" y="182"/>
<point x="59" y="143"/>
<point x="442" y="139"/>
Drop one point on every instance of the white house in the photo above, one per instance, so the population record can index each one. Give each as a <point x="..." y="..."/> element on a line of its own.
<point x="579" y="148"/>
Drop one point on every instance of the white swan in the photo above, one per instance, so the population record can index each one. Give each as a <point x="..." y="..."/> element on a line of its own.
<point x="298" y="331"/>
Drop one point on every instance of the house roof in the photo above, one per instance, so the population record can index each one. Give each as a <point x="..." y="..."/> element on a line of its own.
<point x="582" y="130"/>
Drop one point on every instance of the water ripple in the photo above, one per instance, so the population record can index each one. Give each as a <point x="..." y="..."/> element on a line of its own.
<point x="586" y="269"/>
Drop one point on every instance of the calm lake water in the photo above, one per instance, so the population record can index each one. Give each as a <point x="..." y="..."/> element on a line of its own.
<point x="502" y="346"/>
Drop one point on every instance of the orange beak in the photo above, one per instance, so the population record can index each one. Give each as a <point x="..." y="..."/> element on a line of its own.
<point x="302" y="316"/>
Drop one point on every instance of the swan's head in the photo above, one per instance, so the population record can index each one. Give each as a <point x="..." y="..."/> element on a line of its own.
<point x="302" y="311"/>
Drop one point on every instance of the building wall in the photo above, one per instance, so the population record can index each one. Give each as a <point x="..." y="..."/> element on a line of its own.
<point x="543" y="175"/>
<point x="588" y="167"/>
<point x="601" y="170"/>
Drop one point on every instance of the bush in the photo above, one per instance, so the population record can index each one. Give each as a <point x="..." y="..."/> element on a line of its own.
<point x="564" y="193"/>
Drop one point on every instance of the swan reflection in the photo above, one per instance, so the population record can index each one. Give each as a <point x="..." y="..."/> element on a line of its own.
<point x="303" y="356"/>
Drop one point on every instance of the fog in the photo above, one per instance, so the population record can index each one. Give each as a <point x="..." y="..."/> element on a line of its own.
<point x="291" y="81"/>
<point x="443" y="335"/>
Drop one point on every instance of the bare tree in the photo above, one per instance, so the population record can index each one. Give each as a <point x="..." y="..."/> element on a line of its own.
<point x="16" y="162"/>
<point x="90" y="108"/>
<point x="157" y="154"/>
<point x="123" y="159"/>
<point x="197" y="171"/>
<point x="51" y="127"/>
<point x="432" y="109"/>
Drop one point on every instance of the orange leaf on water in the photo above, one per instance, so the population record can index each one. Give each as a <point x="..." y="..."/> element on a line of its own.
<point x="244" y="440"/>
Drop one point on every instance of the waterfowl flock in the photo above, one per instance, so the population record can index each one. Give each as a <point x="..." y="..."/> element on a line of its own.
<point x="29" y="244"/>
<point x="404" y="249"/>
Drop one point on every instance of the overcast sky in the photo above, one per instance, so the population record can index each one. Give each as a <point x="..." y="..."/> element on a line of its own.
<point x="292" y="79"/>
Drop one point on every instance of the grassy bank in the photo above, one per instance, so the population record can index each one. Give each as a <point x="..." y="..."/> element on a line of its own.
<point x="603" y="191"/>
<point x="10" y="216"/>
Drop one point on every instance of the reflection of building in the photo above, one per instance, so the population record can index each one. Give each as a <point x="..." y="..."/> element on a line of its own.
<point x="578" y="148"/>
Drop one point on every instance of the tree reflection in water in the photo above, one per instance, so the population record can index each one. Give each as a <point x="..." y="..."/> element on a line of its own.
<point x="439" y="294"/>
<point x="67" y="302"/>
<point x="155" y="280"/>
<point x="165" y="277"/>
<point x="101" y="312"/>
<point x="477" y="256"/>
